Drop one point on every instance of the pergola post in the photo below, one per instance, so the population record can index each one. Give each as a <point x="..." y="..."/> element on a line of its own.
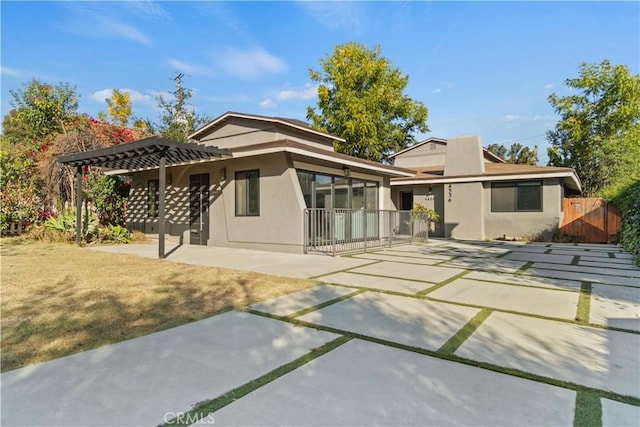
<point x="162" y="178"/>
<point x="79" y="205"/>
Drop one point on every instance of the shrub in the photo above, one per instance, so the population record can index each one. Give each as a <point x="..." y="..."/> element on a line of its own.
<point x="627" y="201"/>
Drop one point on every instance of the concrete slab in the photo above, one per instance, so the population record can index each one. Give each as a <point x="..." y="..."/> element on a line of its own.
<point x="542" y="302"/>
<point x="410" y="321"/>
<point x="376" y="282"/>
<point x="366" y="384"/>
<point x="486" y="264"/>
<point x="547" y="258"/>
<point x="524" y="280"/>
<point x="286" y="305"/>
<point x="279" y="264"/>
<point x="612" y="261"/>
<point x="590" y="270"/>
<point x="400" y="258"/>
<point x="439" y="256"/>
<point x="609" y="265"/>
<point x="617" y="306"/>
<point x="426" y="273"/>
<point x="598" y="255"/>
<point x="573" y="275"/>
<point x="137" y="382"/>
<point x="623" y="255"/>
<point x="604" y="359"/>
<point x="616" y="414"/>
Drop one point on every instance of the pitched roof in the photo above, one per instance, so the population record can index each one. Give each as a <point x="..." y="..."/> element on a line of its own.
<point x="286" y="122"/>
<point x="493" y="172"/>
<point x="288" y="145"/>
<point x="487" y="154"/>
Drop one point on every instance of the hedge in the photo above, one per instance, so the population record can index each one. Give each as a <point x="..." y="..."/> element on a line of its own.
<point x="627" y="201"/>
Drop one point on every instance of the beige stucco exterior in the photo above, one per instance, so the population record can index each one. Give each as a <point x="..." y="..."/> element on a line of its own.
<point x="280" y="223"/>
<point x="461" y="194"/>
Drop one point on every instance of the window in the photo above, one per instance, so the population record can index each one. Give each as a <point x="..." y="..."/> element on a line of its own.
<point x="153" y="193"/>
<point x="525" y="196"/>
<point x="323" y="191"/>
<point x="248" y="193"/>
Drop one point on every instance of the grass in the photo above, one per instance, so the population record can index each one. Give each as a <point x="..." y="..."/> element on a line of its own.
<point x="202" y="409"/>
<point x="58" y="299"/>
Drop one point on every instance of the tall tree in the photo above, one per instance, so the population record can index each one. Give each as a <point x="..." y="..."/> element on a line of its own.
<point x="598" y="127"/>
<point x="361" y="98"/>
<point x="44" y="109"/>
<point x="516" y="153"/>
<point x="178" y="119"/>
<point x="120" y="107"/>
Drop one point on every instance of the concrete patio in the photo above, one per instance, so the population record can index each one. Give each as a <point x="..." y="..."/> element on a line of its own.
<point x="446" y="333"/>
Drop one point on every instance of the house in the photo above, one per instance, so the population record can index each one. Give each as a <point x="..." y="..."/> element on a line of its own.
<point x="476" y="194"/>
<point x="256" y="196"/>
<point x="271" y="183"/>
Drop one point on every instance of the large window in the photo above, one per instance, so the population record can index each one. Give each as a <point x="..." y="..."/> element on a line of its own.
<point x="524" y="196"/>
<point x="153" y="193"/>
<point x="331" y="191"/>
<point x="248" y="193"/>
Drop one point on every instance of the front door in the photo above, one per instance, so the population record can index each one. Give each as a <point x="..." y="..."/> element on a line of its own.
<point x="406" y="204"/>
<point x="199" y="209"/>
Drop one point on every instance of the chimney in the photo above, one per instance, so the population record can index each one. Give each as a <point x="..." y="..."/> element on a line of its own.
<point x="464" y="156"/>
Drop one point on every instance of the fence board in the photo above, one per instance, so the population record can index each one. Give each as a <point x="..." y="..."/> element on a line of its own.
<point x="589" y="220"/>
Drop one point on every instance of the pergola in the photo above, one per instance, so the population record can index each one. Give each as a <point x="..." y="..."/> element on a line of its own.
<point x="148" y="153"/>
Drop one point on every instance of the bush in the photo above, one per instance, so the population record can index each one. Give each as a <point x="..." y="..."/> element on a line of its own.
<point x="627" y="201"/>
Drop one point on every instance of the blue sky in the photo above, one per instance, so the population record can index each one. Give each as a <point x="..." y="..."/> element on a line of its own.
<point x="482" y="68"/>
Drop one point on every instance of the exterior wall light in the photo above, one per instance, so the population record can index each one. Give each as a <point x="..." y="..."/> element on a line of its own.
<point x="347" y="171"/>
<point x="223" y="174"/>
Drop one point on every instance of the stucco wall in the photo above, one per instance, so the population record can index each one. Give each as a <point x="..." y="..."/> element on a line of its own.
<point x="464" y="205"/>
<point x="432" y="197"/>
<point x="279" y="226"/>
<point x="432" y="154"/>
<point x="240" y="133"/>
<point x="526" y="224"/>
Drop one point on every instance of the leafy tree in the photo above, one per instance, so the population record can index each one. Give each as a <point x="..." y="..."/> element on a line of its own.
<point x="516" y="153"/>
<point x="177" y="119"/>
<point x="499" y="150"/>
<point x="20" y="186"/>
<point x="120" y="107"/>
<point x="361" y="98"/>
<point x="598" y="130"/>
<point x="42" y="109"/>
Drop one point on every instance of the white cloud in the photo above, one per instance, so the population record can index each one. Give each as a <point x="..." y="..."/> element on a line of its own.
<point x="148" y="8"/>
<point x="444" y="85"/>
<point x="252" y="63"/>
<point x="124" y="30"/>
<point x="192" y="69"/>
<point x="548" y="86"/>
<point x="11" y="72"/>
<point x="95" y="19"/>
<point x="309" y="91"/>
<point x="22" y="74"/>
<point x="136" y="97"/>
<point x="335" y="14"/>
<point x="268" y="103"/>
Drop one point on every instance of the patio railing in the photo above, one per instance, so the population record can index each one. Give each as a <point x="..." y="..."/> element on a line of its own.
<point x="335" y="231"/>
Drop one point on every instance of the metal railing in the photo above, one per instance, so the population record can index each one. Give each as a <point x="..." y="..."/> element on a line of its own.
<point x="334" y="231"/>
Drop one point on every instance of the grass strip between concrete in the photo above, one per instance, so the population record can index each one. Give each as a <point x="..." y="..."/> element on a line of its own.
<point x="524" y="268"/>
<point x="588" y="411"/>
<point x="443" y="283"/>
<point x="465" y="332"/>
<point x="202" y="409"/>
<point x="611" y="254"/>
<point x="575" y="260"/>
<point x="325" y="304"/>
<point x="584" y="303"/>
<point x="470" y="362"/>
<point x="344" y="270"/>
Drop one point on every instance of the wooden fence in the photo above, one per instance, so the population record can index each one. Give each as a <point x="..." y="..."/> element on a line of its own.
<point x="590" y="220"/>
